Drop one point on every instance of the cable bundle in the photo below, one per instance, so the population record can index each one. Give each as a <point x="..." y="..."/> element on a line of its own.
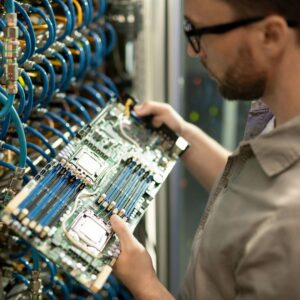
<point x="51" y="85"/>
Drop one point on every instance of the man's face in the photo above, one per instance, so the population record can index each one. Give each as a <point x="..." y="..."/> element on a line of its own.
<point x="229" y="57"/>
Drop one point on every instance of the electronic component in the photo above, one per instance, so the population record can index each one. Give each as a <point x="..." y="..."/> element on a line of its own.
<point x="115" y="165"/>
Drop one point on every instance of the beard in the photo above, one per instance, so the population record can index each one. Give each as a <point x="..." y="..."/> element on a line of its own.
<point x="242" y="80"/>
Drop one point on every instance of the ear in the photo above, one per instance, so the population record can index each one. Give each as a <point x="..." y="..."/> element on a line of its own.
<point x="275" y="35"/>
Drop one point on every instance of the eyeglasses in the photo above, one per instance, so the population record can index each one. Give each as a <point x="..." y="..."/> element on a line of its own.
<point x="194" y="34"/>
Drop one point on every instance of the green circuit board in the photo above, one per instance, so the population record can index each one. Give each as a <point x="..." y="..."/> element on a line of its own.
<point x="115" y="165"/>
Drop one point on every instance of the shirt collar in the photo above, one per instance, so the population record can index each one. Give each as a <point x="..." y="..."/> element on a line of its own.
<point x="279" y="149"/>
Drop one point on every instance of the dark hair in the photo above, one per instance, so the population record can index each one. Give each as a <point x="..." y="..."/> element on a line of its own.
<point x="289" y="9"/>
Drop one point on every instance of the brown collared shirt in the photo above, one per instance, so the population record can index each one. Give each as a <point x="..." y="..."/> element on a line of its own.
<point x="248" y="244"/>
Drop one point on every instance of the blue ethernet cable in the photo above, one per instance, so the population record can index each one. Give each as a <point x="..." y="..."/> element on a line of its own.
<point x="3" y="91"/>
<point x="114" y="282"/>
<point x="13" y="168"/>
<point x="26" y="263"/>
<point x="98" y="297"/>
<point x="62" y="122"/>
<point x="22" y="99"/>
<point x="2" y="24"/>
<point x="26" y="35"/>
<point x="111" y="292"/>
<point x="51" y="267"/>
<point x="41" y="137"/>
<point x="25" y="248"/>
<point x="48" y="7"/>
<point x="49" y="293"/>
<point x="105" y="90"/>
<point x="72" y="117"/>
<point x="95" y="94"/>
<point x="87" y="54"/>
<point x="82" y="59"/>
<point x="91" y="9"/>
<point x="64" y="70"/>
<point x="64" y="289"/>
<point x="52" y="77"/>
<point x="109" y="83"/>
<point x="44" y="76"/>
<point x="102" y="4"/>
<point x="30" y="29"/>
<point x="7" y="104"/>
<point x="73" y="13"/>
<point x="104" y="41"/>
<point x="79" y="107"/>
<point x="51" y="38"/>
<point x="71" y="68"/>
<point x="67" y="13"/>
<point x="39" y="150"/>
<point x="17" y="151"/>
<point x="112" y="37"/>
<point x="4" y="125"/>
<point x="97" y="57"/>
<point x="87" y="102"/>
<point x="19" y="128"/>
<point x="87" y="49"/>
<point x="30" y="95"/>
<point x="85" y="14"/>
<point x="10" y="6"/>
<point x="22" y="278"/>
<point x="55" y="131"/>
<point x="2" y="63"/>
<point x="35" y="259"/>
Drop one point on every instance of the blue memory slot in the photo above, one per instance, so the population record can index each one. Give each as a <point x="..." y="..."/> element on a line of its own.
<point x="39" y="187"/>
<point x="43" y="202"/>
<point x="115" y="186"/>
<point x="129" y="198"/>
<point x="126" y="192"/>
<point x="59" y="204"/>
<point x="138" y="195"/>
<point x="121" y="188"/>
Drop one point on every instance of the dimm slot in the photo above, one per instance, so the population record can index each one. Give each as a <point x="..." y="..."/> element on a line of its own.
<point x="131" y="197"/>
<point x="128" y="190"/>
<point x="121" y="186"/>
<point x="44" y="192"/>
<point x="62" y="210"/>
<point x="115" y="185"/>
<point x="62" y="180"/>
<point x="52" y="201"/>
<point x="39" y="187"/>
<point x="140" y="193"/>
<point x="52" y="212"/>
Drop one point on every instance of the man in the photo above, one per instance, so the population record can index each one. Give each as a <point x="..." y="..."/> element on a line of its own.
<point x="248" y="242"/>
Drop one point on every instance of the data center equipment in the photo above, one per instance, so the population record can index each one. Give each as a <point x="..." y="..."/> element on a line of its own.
<point x="72" y="151"/>
<point x="114" y="165"/>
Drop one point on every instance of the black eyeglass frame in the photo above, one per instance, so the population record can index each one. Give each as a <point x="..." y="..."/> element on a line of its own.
<point x="194" y="34"/>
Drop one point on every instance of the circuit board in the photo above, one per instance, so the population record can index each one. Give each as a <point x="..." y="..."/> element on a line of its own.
<point x="115" y="165"/>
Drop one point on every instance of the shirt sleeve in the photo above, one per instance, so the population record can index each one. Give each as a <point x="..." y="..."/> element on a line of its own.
<point x="269" y="268"/>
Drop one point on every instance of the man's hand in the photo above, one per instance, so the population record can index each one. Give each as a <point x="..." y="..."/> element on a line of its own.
<point x="134" y="266"/>
<point x="162" y="114"/>
<point x="205" y="158"/>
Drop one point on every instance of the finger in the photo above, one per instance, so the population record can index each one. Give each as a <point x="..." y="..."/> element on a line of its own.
<point x="157" y="122"/>
<point x="125" y="236"/>
<point x="153" y="108"/>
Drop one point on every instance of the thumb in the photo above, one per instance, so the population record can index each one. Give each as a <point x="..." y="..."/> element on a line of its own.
<point x="141" y="110"/>
<point x="123" y="232"/>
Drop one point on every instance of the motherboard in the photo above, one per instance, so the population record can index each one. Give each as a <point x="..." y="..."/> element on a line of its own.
<point x="114" y="165"/>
